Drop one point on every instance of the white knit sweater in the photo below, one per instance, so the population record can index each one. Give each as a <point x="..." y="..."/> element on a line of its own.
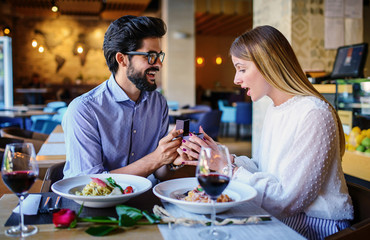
<point x="298" y="163"/>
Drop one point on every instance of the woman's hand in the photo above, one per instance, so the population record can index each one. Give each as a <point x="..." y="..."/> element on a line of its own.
<point x="189" y="149"/>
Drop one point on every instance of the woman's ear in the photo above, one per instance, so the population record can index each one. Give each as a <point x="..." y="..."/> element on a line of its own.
<point x="121" y="59"/>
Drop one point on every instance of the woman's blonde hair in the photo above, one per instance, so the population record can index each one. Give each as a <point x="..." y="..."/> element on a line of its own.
<point x="272" y="54"/>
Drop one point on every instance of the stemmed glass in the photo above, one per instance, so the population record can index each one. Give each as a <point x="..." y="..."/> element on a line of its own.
<point x="19" y="171"/>
<point x="214" y="172"/>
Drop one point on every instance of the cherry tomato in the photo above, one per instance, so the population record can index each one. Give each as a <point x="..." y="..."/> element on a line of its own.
<point x="128" y="189"/>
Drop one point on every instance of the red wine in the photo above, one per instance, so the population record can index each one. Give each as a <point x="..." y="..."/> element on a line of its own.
<point x="213" y="184"/>
<point x="19" y="181"/>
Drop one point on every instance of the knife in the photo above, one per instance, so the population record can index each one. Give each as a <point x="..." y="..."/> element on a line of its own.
<point x="263" y="217"/>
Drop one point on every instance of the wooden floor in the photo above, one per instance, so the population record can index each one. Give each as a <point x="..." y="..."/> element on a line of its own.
<point x="240" y="147"/>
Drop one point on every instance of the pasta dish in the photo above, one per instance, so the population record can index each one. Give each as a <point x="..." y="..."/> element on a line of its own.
<point x="108" y="186"/>
<point x="199" y="195"/>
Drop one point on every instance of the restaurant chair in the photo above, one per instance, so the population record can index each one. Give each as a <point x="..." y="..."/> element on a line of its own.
<point x="360" y="196"/>
<point x="173" y="105"/>
<point x="53" y="174"/>
<point x="59" y="115"/>
<point x="10" y="122"/>
<point x="360" y="228"/>
<point x="27" y="136"/>
<point x="46" y="126"/>
<point x="210" y="122"/>
<point x="243" y="117"/>
<point x="50" y="107"/>
<point x="3" y="142"/>
<point x="228" y="115"/>
<point x="197" y="116"/>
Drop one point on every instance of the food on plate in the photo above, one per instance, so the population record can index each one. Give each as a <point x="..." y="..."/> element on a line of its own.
<point x="108" y="186"/>
<point x="199" y="195"/>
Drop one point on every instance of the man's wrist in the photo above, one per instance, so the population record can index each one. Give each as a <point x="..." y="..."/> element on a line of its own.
<point x="174" y="167"/>
<point x="232" y="158"/>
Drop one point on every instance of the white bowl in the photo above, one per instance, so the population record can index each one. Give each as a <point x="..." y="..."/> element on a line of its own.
<point x="173" y="189"/>
<point x="67" y="188"/>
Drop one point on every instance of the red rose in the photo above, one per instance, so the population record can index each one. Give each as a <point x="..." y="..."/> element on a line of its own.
<point x="63" y="217"/>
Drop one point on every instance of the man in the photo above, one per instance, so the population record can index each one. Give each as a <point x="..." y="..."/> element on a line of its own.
<point x="120" y="126"/>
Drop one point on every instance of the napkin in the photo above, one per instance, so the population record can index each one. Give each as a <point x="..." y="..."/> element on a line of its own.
<point x="30" y="205"/>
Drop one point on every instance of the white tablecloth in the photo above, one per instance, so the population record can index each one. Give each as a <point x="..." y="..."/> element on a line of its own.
<point x="273" y="229"/>
<point x="56" y="138"/>
<point x="52" y="149"/>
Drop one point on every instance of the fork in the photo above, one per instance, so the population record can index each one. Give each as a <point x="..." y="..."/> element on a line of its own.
<point x="45" y="208"/>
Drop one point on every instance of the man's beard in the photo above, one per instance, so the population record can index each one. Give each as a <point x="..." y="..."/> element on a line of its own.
<point x="140" y="80"/>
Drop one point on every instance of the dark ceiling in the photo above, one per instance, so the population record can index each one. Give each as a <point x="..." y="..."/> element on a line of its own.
<point x="207" y="22"/>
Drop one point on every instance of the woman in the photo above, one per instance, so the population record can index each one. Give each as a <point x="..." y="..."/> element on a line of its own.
<point x="297" y="170"/>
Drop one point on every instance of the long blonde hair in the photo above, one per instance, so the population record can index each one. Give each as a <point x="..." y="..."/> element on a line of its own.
<point x="272" y="54"/>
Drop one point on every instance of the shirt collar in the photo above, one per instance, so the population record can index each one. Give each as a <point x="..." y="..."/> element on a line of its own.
<point x="119" y="95"/>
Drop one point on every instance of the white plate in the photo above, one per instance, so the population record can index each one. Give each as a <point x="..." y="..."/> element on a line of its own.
<point x="67" y="188"/>
<point x="172" y="189"/>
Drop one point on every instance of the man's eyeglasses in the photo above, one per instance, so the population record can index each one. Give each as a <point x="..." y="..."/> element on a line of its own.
<point x="152" y="56"/>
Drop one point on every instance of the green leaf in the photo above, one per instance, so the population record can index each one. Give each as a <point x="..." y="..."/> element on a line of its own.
<point x="100" y="230"/>
<point x="74" y="222"/>
<point x="151" y="217"/>
<point x="128" y="216"/>
<point x="126" y="221"/>
<point x="80" y="210"/>
<point x="102" y="218"/>
<point x="114" y="184"/>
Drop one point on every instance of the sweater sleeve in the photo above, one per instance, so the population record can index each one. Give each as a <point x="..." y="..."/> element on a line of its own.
<point x="247" y="163"/>
<point x="303" y="170"/>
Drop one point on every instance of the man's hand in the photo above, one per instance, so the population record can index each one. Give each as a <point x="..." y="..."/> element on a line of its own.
<point x="189" y="150"/>
<point x="166" y="152"/>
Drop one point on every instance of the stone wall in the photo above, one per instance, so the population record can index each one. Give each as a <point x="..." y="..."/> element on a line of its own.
<point x="60" y="60"/>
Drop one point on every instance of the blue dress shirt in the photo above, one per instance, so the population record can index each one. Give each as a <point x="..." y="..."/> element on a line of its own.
<point x="105" y="130"/>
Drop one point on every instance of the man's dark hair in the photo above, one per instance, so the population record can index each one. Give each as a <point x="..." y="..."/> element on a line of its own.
<point x="127" y="33"/>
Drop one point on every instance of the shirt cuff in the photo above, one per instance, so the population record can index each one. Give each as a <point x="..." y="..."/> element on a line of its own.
<point x="246" y="163"/>
<point x="242" y="175"/>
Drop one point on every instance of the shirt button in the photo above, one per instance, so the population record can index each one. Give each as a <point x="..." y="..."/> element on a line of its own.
<point x="132" y="154"/>
<point x="134" y="131"/>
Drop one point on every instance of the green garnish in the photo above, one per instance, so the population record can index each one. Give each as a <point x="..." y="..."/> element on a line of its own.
<point x="114" y="184"/>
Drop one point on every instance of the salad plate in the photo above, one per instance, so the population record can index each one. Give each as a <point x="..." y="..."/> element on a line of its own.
<point x="173" y="190"/>
<point x="67" y="188"/>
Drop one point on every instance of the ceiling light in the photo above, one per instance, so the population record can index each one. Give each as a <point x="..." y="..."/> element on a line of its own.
<point x="218" y="60"/>
<point x="34" y="43"/>
<point x="41" y="49"/>
<point x="6" y="30"/>
<point x="200" y="61"/>
<point x="54" y="7"/>
<point x="80" y="49"/>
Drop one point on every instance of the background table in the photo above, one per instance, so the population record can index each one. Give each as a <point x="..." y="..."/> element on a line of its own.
<point x="181" y="112"/>
<point x="52" y="151"/>
<point x="23" y="114"/>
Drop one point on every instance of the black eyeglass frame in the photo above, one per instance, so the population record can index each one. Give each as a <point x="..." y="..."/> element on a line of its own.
<point x="150" y="55"/>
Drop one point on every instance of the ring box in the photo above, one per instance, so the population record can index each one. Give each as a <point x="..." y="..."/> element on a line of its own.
<point x="184" y="124"/>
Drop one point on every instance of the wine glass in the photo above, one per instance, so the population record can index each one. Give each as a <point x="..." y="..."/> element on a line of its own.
<point x="214" y="172"/>
<point x="19" y="171"/>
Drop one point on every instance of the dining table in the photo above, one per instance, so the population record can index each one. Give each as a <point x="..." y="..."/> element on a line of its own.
<point x="181" y="112"/>
<point x="273" y="229"/>
<point x="22" y="113"/>
<point x="52" y="150"/>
